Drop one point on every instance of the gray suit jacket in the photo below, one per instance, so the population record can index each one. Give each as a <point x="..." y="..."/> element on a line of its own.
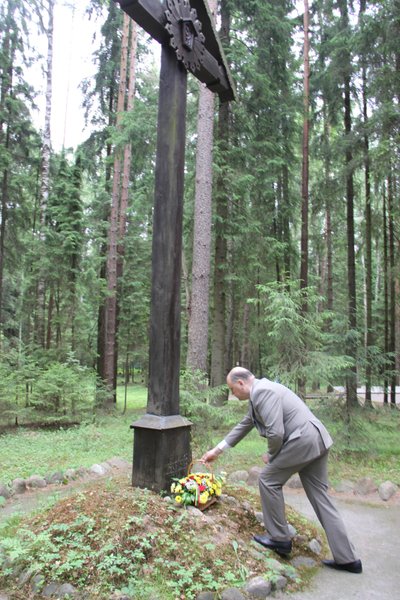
<point x="294" y="434"/>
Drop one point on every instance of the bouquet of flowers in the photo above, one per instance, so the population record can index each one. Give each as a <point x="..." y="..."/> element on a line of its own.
<point x="197" y="489"/>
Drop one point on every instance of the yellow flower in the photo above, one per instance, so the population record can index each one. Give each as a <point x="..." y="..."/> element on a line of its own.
<point x="203" y="497"/>
<point x="178" y="499"/>
<point x="173" y="487"/>
<point x="218" y="492"/>
<point x="178" y="489"/>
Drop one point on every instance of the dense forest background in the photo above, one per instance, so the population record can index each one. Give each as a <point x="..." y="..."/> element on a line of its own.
<point x="291" y="226"/>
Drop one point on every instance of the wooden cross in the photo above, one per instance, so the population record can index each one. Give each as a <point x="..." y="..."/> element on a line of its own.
<point x="189" y="43"/>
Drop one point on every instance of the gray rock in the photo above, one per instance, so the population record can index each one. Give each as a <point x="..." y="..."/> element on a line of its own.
<point x="37" y="582"/>
<point x="365" y="486"/>
<point x="107" y="467"/>
<point x="51" y="589"/>
<point x="238" y="476"/>
<point x="315" y="546"/>
<point x="229" y="500"/>
<point x="279" y="583"/>
<point x="294" y="482"/>
<point x="195" y="512"/>
<point x="97" y="470"/>
<point x="205" y="596"/>
<point x="70" y="474"/>
<point x="345" y="487"/>
<point x="119" y="463"/>
<point x="387" y="489"/>
<point x="36" y="481"/>
<point x="232" y="594"/>
<point x="57" y="477"/>
<point x="81" y="472"/>
<point x="24" y="577"/>
<point x="254" y="476"/>
<point x="258" y="587"/>
<point x="259" y="516"/>
<point x="304" y="561"/>
<point x="18" y="486"/>
<point x="292" y="530"/>
<point x="4" y="491"/>
<point x="66" y="589"/>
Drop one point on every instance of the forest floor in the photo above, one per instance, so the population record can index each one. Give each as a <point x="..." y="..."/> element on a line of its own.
<point x="373" y="525"/>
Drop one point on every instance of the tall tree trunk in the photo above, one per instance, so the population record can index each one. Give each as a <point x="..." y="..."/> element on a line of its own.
<point x="110" y="374"/>
<point x="45" y="174"/>
<point x="351" y="379"/>
<point x="392" y="290"/>
<point x="305" y="162"/>
<point x="218" y="353"/>
<point x="368" y="236"/>
<point x="385" y="293"/>
<point x="199" y="298"/>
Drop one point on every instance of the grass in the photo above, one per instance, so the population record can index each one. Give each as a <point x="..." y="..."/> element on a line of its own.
<point x="371" y="447"/>
<point x="43" y="452"/>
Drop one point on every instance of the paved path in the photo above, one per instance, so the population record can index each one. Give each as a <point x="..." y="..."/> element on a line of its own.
<point x="375" y="531"/>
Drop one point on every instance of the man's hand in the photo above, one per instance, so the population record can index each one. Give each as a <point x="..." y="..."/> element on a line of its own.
<point x="211" y="455"/>
<point x="265" y="458"/>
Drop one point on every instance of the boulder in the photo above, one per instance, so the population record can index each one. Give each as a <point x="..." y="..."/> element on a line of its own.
<point x="365" y="486"/>
<point x="387" y="489"/>
<point x="97" y="470"/>
<point x="4" y="491"/>
<point x="18" y="486"/>
<point x="315" y="546"/>
<point x="254" y="476"/>
<point x="344" y="487"/>
<point x="36" y="481"/>
<point x="57" y="477"/>
<point x="232" y="594"/>
<point x="258" y="587"/>
<point x="205" y="596"/>
<point x="238" y="476"/>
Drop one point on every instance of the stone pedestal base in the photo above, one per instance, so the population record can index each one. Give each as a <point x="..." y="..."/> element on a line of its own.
<point x="161" y="451"/>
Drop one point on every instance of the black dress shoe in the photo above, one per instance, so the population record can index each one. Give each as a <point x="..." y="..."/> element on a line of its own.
<point x="351" y="567"/>
<point x="282" y="548"/>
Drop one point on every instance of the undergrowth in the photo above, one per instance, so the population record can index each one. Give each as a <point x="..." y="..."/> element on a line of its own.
<point x="113" y="537"/>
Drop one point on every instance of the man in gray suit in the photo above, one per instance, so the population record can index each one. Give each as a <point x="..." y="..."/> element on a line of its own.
<point x="297" y="443"/>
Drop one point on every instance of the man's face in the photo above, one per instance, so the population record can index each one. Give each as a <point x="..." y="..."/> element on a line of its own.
<point x="240" y="389"/>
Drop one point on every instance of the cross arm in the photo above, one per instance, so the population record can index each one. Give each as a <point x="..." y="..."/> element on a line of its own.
<point x="213" y="71"/>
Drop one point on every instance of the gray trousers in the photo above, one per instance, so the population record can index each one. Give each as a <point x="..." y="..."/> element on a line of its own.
<point x="314" y="477"/>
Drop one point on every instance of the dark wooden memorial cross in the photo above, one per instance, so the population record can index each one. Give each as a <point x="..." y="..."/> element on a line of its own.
<point x="189" y="42"/>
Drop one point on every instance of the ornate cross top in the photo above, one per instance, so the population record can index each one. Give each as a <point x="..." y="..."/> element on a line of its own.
<point x="188" y="27"/>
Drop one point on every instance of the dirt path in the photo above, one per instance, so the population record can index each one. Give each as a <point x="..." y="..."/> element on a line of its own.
<point x="375" y="530"/>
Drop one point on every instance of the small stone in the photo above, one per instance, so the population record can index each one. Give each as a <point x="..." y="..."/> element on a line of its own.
<point x="303" y="561"/>
<point x="97" y="470"/>
<point x="70" y="474"/>
<point x="4" y="491"/>
<point x="232" y="594"/>
<point x="254" y="476"/>
<point x="37" y="582"/>
<point x="119" y="463"/>
<point x="36" y="481"/>
<point x="81" y="472"/>
<point x="344" y="487"/>
<point x="365" y="486"/>
<point x="66" y="589"/>
<point x="279" y="583"/>
<point x="57" y="477"/>
<point x="24" y="577"/>
<point x="238" y="477"/>
<point x="205" y="596"/>
<point x="260" y="518"/>
<point x="315" y="546"/>
<point x="106" y="466"/>
<point x="294" y="482"/>
<point x="51" y="589"/>
<point x="18" y="486"/>
<point x="258" y="587"/>
<point x="387" y="489"/>
<point x="292" y="530"/>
